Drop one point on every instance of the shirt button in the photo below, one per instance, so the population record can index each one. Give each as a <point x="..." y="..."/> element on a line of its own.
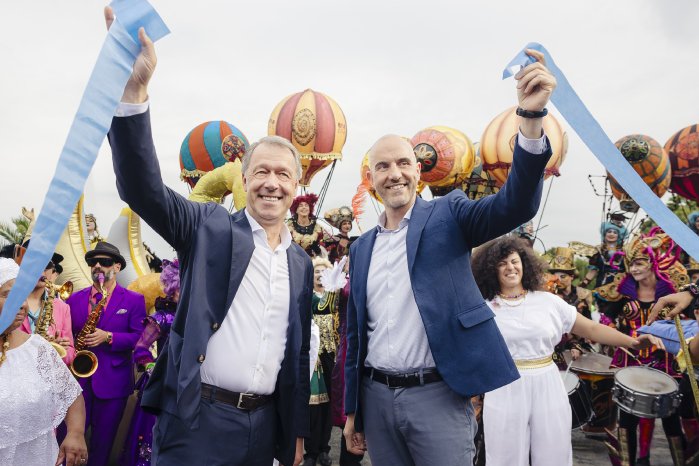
<point x="201" y="358"/>
<point x="215" y="326"/>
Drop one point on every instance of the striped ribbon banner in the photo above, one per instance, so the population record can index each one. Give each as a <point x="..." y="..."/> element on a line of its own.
<point x="90" y="126"/>
<point x="579" y="117"/>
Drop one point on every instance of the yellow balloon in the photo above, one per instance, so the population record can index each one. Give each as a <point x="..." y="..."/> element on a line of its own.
<point x="216" y="184"/>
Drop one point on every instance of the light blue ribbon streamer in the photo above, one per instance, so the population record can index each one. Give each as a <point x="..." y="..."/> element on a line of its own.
<point x="90" y="126"/>
<point x="579" y="117"/>
<point x="666" y="330"/>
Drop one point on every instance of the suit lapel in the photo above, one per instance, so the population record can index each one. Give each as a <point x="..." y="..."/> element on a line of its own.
<point x="242" y="247"/>
<point x="418" y="218"/>
<point x="362" y="262"/>
<point x="114" y="304"/>
<point x="296" y="274"/>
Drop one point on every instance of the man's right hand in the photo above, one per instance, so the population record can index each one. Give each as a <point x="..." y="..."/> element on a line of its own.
<point x="355" y="440"/>
<point x="136" y="90"/>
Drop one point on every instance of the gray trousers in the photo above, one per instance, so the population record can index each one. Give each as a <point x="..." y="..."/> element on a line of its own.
<point x="226" y="436"/>
<point x="427" y="425"/>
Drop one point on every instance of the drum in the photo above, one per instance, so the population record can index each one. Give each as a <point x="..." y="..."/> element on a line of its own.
<point x="646" y="392"/>
<point x="579" y="400"/>
<point x="596" y="375"/>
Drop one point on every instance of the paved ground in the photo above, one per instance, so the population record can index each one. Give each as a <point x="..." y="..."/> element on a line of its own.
<point x="586" y="451"/>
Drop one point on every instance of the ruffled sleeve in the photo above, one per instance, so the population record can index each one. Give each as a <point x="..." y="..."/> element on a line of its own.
<point x="64" y="389"/>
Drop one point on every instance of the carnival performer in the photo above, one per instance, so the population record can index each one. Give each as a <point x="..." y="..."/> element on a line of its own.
<point x="562" y="266"/>
<point x="420" y="339"/>
<point x="59" y="326"/>
<point x="232" y="387"/>
<point x="692" y="270"/>
<point x="37" y="393"/>
<point x="338" y="245"/>
<point x="110" y="320"/>
<point x="93" y="233"/>
<point x="602" y="267"/>
<point x="325" y="315"/>
<point x="138" y="445"/>
<point x="531" y="416"/>
<point x="652" y="271"/>
<point x="304" y="227"/>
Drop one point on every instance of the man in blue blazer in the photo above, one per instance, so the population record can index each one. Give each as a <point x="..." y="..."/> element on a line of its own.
<point x="232" y="386"/>
<point x="421" y="340"/>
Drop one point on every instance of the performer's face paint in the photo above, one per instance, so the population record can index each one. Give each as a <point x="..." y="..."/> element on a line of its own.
<point x="394" y="171"/>
<point x="270" y="183"/>
<point x="510" y="271"/>
<point x="21" y="315"/>
<point x="565" y="278"/>
<point x="611" y="236"/>
<point x="640" y="269"/>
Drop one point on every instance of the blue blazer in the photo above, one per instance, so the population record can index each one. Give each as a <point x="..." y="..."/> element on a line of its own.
<point x="214" y="249"/>
<point x="466" y="344"/>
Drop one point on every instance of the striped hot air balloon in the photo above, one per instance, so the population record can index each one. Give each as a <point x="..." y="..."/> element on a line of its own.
<point x="315" y="124"/>
<point x="649" y="160"/>
<point x="498" y="143"/>
<point x="446" y="156"/>
<point x="683" y="150"/>
<point x="208" y="146"/>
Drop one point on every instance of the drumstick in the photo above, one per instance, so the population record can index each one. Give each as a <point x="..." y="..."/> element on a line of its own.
<point x="633" y="356"/>
<point x="688" y="362"/>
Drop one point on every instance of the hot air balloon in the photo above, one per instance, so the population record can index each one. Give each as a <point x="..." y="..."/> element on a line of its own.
<point x="208" y="146"/>
<point x="315" y="125"/>
<point x="650" y="161"/>
<point x="683" y="151"/>
<point x="498" y="143"/>
<point x="446" y="156"/>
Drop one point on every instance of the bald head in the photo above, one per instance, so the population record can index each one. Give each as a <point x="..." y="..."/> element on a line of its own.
<point x="392" y="144"/>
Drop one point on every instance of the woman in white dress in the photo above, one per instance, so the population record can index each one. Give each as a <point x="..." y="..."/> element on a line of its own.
<point x="37" y="391"/>
<point x="531" y="417"/>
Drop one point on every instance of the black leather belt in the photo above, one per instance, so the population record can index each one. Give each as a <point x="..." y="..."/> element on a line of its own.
<point x="412" y="379"/>
<point x="244" y="401"/>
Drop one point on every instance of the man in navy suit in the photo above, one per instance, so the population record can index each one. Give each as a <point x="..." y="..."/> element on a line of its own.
<point x="421" y="340"/>
<point x="232" y="387"/>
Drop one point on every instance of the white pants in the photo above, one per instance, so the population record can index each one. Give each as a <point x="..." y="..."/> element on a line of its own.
<point x="532" y="414"/>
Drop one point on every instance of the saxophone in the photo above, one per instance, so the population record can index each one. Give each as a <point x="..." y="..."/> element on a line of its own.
<point x="85" y="362"/>
<point x="46" y="318"/>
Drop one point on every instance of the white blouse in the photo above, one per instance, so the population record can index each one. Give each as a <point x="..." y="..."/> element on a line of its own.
<point x="533" y="327"/>
<point x="36" y="390"/>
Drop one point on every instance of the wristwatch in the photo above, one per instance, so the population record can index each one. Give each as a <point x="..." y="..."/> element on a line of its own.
<point x="110" y="337"/>
<point x="693" y="289"/>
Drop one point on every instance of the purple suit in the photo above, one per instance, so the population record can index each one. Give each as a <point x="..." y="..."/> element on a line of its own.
<point x="107" y="390"/>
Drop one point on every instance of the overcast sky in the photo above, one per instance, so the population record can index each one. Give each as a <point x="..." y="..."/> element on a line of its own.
<point x="392" y="66"/>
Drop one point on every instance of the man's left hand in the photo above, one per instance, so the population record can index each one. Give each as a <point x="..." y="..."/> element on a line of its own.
<point x="298" y="459"/>
<point x="96" y="338"/>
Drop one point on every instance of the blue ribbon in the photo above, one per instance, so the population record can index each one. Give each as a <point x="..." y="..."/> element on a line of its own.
<point x="666" y="330"/>
<point x="579" y="117"/>
<point x="90" y="126"/>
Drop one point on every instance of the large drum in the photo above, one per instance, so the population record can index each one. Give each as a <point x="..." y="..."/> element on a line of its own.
<point x="646" y="392"/>
<point x="578" y="397"/>
<point x="595" y="373"/>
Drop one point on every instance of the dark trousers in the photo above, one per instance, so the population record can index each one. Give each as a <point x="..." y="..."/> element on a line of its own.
<point x="226" y="436"/>
<point x="321" y="415"/>
<point x="102" y="418"/>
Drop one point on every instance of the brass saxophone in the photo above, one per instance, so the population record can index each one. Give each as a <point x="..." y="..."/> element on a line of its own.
<point x="46" y="318"/>
<point x="85" y="362"/>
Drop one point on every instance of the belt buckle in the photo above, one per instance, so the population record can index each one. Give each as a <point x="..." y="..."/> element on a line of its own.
<point x="241" y="400"/>
<point x="398" y="385"/>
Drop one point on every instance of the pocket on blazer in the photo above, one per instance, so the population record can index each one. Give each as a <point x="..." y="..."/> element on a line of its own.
<point x="475" y="315"/>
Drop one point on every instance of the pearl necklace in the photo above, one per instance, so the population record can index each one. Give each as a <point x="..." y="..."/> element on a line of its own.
<point x="513" y="301"/>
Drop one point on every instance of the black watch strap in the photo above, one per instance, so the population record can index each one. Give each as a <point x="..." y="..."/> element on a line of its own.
<point x="531" y="113"/>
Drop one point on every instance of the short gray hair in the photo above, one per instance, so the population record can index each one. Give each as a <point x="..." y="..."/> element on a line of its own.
<point x="272" y="141"/>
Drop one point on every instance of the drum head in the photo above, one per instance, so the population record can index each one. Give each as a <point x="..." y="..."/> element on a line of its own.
<point x="570" y="381"/>
<point x="593" y="363"/>
<point x="646" y="380"/>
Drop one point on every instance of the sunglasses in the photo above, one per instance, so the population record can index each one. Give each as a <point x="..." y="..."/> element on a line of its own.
<point x="103" y="261"/>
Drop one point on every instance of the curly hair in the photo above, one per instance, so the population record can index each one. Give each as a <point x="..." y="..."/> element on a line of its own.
<point x="485" y="265"/>
<point x="170" y="277"/>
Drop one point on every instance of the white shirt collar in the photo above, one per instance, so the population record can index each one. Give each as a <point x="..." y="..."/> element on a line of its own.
<point x="259" y="231"/>
<point x="404" y="221"/>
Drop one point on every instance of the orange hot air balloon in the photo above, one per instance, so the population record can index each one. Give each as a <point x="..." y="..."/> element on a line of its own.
<point x="683" y="150"/>
<point x="498" y="143"/>
<point x="650" y="161"/>
<point x="315" y="125"/>
<point x="446" y="154"/>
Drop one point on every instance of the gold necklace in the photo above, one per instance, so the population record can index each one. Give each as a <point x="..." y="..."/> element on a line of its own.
<point x="517" y="296"/>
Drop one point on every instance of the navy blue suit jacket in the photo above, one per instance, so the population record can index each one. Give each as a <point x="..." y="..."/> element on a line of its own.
<point x="466" y="344"/>
<point x="214" y="249"/>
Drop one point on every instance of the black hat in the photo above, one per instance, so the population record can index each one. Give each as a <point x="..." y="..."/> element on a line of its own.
<point x="107" y="249"/>
<point x="56" y="259"/>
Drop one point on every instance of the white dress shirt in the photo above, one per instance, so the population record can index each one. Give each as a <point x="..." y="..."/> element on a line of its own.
<point x="397" y="341"/>
<point x="246" y="353"/>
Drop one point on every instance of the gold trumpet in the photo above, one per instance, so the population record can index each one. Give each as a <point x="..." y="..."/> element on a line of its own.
<point x="46" y="318"/>
<point x="85" y="362"/>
